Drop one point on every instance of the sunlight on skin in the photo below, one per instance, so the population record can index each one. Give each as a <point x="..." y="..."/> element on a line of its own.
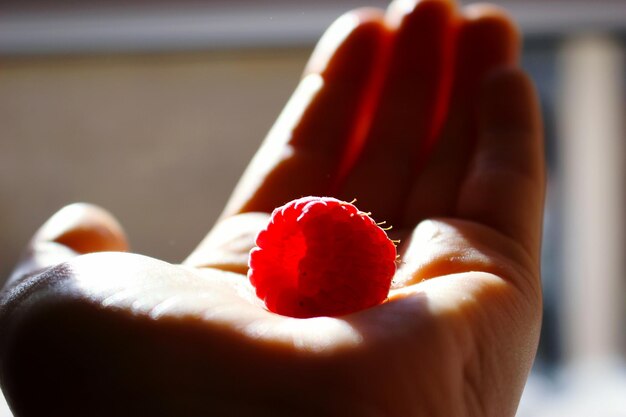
<point x="295" y="107"/>
<point x="67" y="218"/>
<point x="437" y="248"/>
<point x="146" y="287"/>
<point x="330" y="41"/>
<point x="318" y="334"/>
<point x="397" y="11"/>
<point x="72" y="223"/>
<point x="41" y="253"/>
<point x="155" y="289"/>
<point x="400" y="8"/>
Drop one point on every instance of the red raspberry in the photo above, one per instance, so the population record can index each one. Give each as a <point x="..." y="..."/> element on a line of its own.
<point x="320" y="256"/>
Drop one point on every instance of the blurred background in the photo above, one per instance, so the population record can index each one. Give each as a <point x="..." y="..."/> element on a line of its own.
<point x="153" y="108"/>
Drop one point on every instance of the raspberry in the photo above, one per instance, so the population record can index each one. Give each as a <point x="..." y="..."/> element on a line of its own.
<point x="320" y="256"/>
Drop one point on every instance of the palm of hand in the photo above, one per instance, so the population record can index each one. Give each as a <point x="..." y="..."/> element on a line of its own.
<point x="458" y="332"/>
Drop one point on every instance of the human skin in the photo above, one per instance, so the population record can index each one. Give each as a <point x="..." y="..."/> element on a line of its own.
<point x="444" y="142"/>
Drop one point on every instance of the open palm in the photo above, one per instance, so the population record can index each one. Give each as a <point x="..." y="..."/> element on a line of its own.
<point x="421" y="115"/>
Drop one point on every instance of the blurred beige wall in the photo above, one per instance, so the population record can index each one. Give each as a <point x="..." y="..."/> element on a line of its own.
<point x="159" y="140"/>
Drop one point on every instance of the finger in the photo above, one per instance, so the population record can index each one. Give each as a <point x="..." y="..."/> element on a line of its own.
<point x="504" y="187"/>
<point x="487" y="39"/>
<point x="445" y="246"/>
<point x="75" y="229"/>
<point x="304" y="149"/>
<point x="409" y="109"/>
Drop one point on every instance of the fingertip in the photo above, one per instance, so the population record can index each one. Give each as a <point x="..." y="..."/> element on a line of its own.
<point x="398" y="10"/>
<point x="83" y="228"/>
<point x="357" y="30"/>
<point x="487" y="13"/>
<point x="493" y="25"/>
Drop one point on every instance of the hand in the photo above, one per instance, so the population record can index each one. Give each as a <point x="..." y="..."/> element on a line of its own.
<point x="420" y="114"/>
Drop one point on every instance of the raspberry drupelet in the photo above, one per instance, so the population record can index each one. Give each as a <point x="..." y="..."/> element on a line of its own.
<point x="320" y="256"/>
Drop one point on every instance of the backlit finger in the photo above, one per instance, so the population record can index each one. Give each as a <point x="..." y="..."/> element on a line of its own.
<point x="505" y="186"/>
<point x="410" y="106"/>
<point x="487" y="39"/>
<point x="303" y="151"/>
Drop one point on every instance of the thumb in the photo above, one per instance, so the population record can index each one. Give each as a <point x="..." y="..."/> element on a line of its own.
<point x="76" y="229"/>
